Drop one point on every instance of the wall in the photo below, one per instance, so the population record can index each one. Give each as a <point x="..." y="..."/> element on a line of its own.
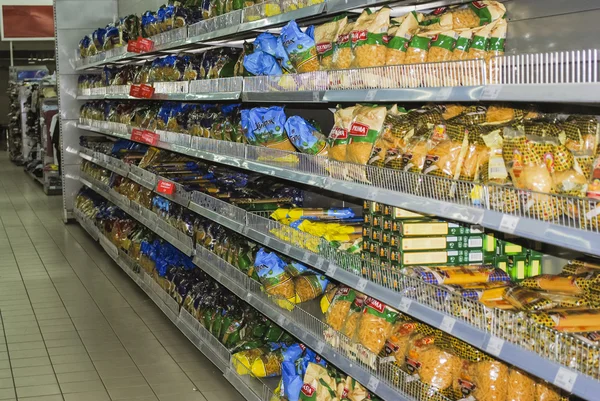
<point x="138" y="7"/>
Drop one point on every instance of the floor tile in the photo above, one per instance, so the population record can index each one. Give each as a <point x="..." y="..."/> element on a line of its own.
<point x="88" y="396"/>
<point x="83" y="386"/>
<point x="37" y="391"/>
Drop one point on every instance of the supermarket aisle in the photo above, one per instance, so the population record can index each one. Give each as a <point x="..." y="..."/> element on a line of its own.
<point x="76" y="327"/>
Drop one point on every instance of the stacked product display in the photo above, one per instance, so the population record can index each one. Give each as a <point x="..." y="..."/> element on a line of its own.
<point x="15" y="140"/>
<point x="409" y="214"/>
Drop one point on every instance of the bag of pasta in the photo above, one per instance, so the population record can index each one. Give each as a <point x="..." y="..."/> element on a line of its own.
<point x="438" y="20"/>
<point x="477" y="50"/>
<point x="441" y="48"/>
<point x="300" y="48"/>
<point x="397" y="344"/>
<point x="431" y="364"/>
<point x="337" y="313"/>
<point x="366" y="125"/>
<point x="342" y="47"/>
<point x="318" y="384"/>
<point x="273" y="276"/>
<point x="397" y="130"/>
<point x="463" y="44"/>
<point x="375" y="326"/>
<point x="368" y="38"/>
<point x="325" y="36"/>
<point x="265" y="127"/>
<point x="413" y="158"/>
<point x="545" y="391"/>
<point x="481" y="379"/>
<point x="449" y="146"/>
<point x="496" y="48"/>
<point x="350" y="324"/>
<point x="338" y="137"/>
<point x="477" y="13"/>
<point x="305" y="137"/>
<point x="309" y="285"/>
<point x="399" y="38"/>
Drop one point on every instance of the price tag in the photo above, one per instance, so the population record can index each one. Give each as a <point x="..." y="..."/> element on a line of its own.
<point x="491" y="92"/>
<point x="494" y="346"/>
<point x="306" y="257"/>
<point x="319" y="347"/>
<point x="331" y="270"/>
<point x="316" y="96"/>
<point x="319" y="263"/>
<point x="141" y="91"/>
<point x="447" y="324"/>
<point x="443" y="94"/>
<point x="362" y="284"/>
<point x="373" y="383"/>
<point x="267" y="240"/>
<point x="165" y="187"/>
<point x="371" y="93"/>
<point x="248" y="297"/>
<point x="509" y="223"/>
<point x="141" y="45"/>
<point x="565" y="379"/>
<point x="405" y="304"/>
<point x="281" y="320"/>
<point x="287" y="248"/>
<point x="133" y="46"/>
<point x="144" y="136"/>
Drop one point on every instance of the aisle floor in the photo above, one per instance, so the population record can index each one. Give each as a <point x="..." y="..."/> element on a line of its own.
<point x="74" y="326"/>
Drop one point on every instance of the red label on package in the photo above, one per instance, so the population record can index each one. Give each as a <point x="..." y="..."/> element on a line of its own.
<point x="165" y="187"/>
<point x="137" y="134"/>
<point x="359" y="129"/>
<point x="375" y="304"/>
<point x="323" y="47"/>
<point x="307" y="389"/>
<point x="141" y="91"/>
<point x="479" y="4"/>
<point x="358" y="35"/>
<point x="140" y="45"/>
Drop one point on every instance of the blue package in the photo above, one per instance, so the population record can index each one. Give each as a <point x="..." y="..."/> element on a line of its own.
<point x="310" y="31"/>
<point x="261" y="63"/>
<point x="300" y="48"/>
<point x="98" y="38"/>
<point x="291" y="381"/>
<point x="266" y="42"/>
<point x="305" y="137"/>
<point x="267" y="125"/>
<point x="282" y="56"/>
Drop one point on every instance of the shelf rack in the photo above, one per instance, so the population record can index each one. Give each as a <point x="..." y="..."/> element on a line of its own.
<point x="428" y="303"/>
<point x="251" y="388"/>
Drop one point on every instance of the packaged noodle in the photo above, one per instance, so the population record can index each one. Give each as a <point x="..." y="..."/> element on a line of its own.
<point x="305" y="137"/>
<point x="399" y="38"/>
<point x="396" y="345"/>
<point x="526" y="299"/>
<point x="318" y="384"/>
<point x="338" y="137"/>
<point x="273" y="276"/>
<point x="480" y="42"/>
<point x="569" y="320"/>
<point x="545" y="391"/>
<point x="566" y="284"/>
<point x="463" y="44"/>
<point x="438" y="20"/>
<point x="375" y="325"/>
<point x="300" y="48"/>
<point x="338" y="311"/>
<point x="521" y="387"/>
<point x="366" y="126"/>
<point x="484" y="380"/>
<point x="446" y="156"/>
<point x="477" y="13"/>
<point x="442" y="45"/>
<point x="458" y="274"/>
<point x="351" y="323"/>
<point x="431" y="364"/>
<point x="398" y="130"/>
<point x="418" y="49"/>
<point x="265" y="127"/>
<point x="309" y="286"/>
<point x="325" y="36"/>
<point x="368" y="38"/>
<point x="342" y="48"/>
<point x="496" y="48"/>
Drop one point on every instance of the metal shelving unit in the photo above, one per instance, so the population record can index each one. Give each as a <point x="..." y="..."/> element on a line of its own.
<point x="423" y="302"/>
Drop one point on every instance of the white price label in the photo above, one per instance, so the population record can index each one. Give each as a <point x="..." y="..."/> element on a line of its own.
<point x="319" y="347"/>
<point x="249" y="297"/>
<point x="373" y="383"/>
<point x="565" y="379"/>
<point x="281" y="320"/>
<point x="305" y="257"/>
<point x="494" y="346"/>
<point x="447" y="324"/>
<point x="491" y="92"/>
<point x="319" y="263"/>
<point x="267" y="241"/>
<point x="509" y="223"/>
<point x="331" y="270"/>
<point x="405" y="304"/>
<point x="443" y="94"/>
<point x="287" y="248"/>
<point x="362" y="284"/>
<point x="370" y="95"/>
<point x="316" y="96"/>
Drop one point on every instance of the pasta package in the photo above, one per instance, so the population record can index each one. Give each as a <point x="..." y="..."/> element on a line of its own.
<point x="338" y="137"/>
<point x="273" y="276"/>
<point x="496" y="48"/>
<point x="325" y="36"/>
<point x="521" y="387"/>
<point x="368" y="38"/>
<point x="463" y="44"/>
<point x="318" y="385"/>
<point x="265" y="127"/>
<point x="399" y="38"/>
<point x="482" y="380"/>
<point x="442" y="46"/>
<point x="418" y="49"/>
<point x="477" y="13"/>
<point x="340" y="307"/>
<point x="544" y="391"/>
<point x="366" y="126"/>
<point x="569" y="320"/>
<point x="305" y="137"/>
<point x="438" y="20"/>
<point x="566" y="284"/>
<point x="396" y="346"/>
<point x="375" y="325"/>
<point x="300" y="48"/>
<point x="431" y="364"/>
<point x="342" y="48"/>
<point x="309" y="286"/>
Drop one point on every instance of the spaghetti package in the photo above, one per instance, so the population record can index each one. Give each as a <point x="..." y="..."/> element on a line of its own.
<point x="325" y="36"/>
<point x="366" y="126"/>
<point x="433" y="365"/>
<point x="342" y="48"/>
<point x="375" y="325"/>
<point x="368" y="38"/>
<point x="569" y="320"/>
<point x="459" y="275"/>
<point x="526" y="299"/>
<point x="305" y="137"/>
<point x="300" y="48"/>
<point x="338" y="137"/>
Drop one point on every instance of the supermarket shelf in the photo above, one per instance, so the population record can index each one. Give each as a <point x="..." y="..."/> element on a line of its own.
<point x="35" y="178"/>
<point x="567" y="235"/>
<point x="189" y="326"/>
<point x="176" y="97"/>
<point x="258" y="229"/>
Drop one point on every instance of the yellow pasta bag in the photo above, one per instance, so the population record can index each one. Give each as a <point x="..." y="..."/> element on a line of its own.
<point x="340" y="307"/>
<point x="366" y="126"/>
<point x="438" y="20"/>
<point x="484" y="380"/>
<point x="480" y="42"/>
<point x="338" y="137"/>
<point x="418" y="49"/>
<point x="545" y="391"/>
<point x="325" y="36"/>
<point x="477" y="13"/>
<point x="342" y="48"/>
<point x="441" y="49"/>
<point x="351" y="324"/>
<point x="521" y="387"/>
<point x="396" y="346"/>
<point x="368" y="38"/>
<point x="463" y="44"/>
<point x="399" y="38"/>
<point x="496" y="48"/>
<point x="375" y="325"/>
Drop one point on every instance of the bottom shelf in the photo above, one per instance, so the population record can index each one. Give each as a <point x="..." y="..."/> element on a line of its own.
<point x="36" y="178"/>
<point x="252" y="389"/>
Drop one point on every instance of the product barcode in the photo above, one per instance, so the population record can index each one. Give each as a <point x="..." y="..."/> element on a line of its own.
<point x="497" y="170"/>
<point x="476" y="257"/>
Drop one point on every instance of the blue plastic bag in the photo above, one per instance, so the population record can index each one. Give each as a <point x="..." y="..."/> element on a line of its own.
<point x="305" y="137"/>
<point x="300" y="48"/>
<point x="261" y="63"/>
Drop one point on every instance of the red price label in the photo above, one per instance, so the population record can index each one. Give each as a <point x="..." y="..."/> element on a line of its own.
<point x="165" y="187"/>
<point x="140" y="45"/>
<point x="144" y="136"/>
<point x="141" y="91"/>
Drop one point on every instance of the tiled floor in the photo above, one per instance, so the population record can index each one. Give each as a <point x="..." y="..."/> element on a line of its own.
<point x="74" y="327"/>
